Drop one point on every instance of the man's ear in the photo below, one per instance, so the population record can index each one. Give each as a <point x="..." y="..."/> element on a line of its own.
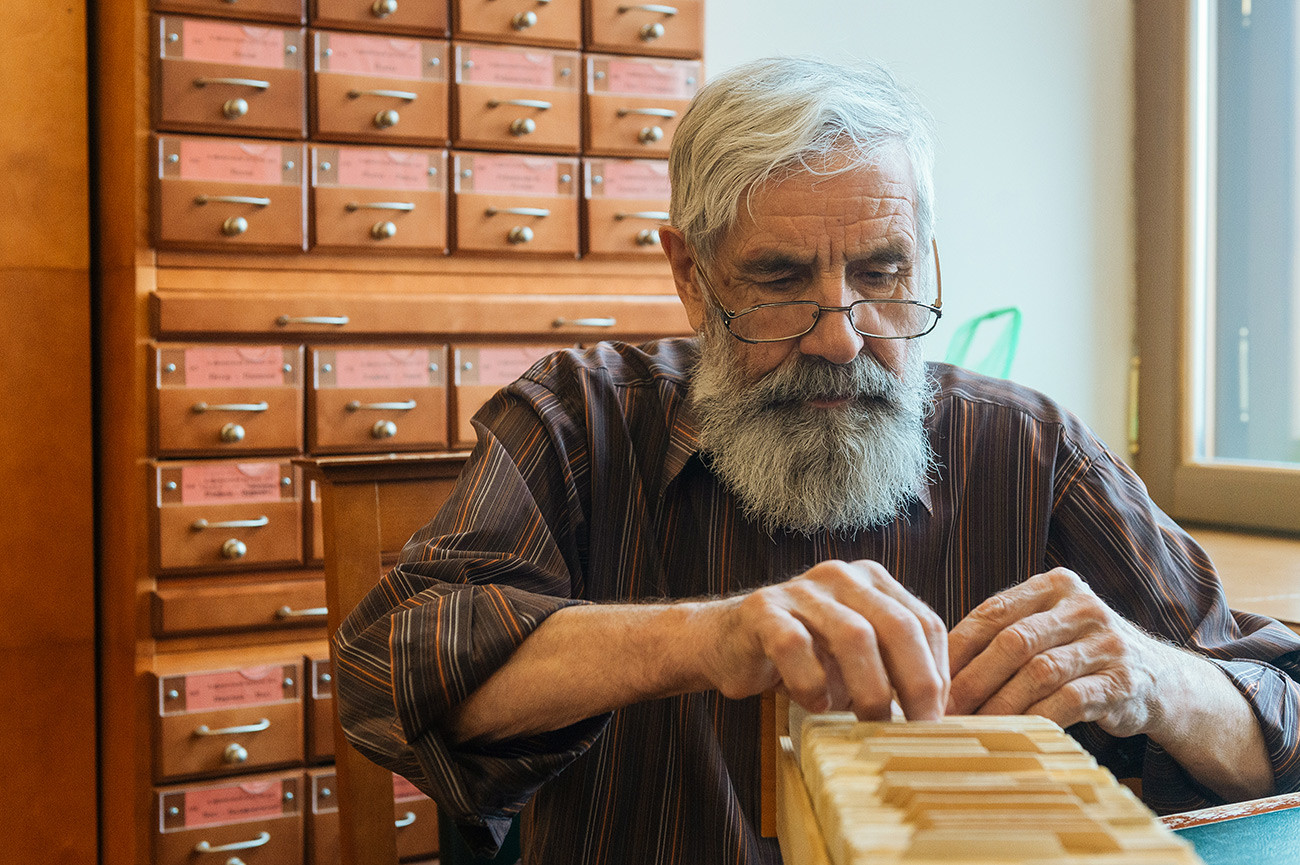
<point x="682" y="264"/>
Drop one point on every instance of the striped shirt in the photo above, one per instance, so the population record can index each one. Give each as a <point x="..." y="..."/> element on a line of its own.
<point x="587" y="485"/>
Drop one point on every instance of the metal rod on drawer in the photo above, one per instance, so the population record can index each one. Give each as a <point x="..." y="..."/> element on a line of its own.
<point x="522" y="103"/>
<point x="238" y="82"/>
<point x="201" y="524"/>
<point x="392" y="94"/>
<point x="584" y="322"/>
<point x="649" y="7"/>
<point x="380" y="205"/>
<point x="205" y="730"/>
<point x="206" y="847"/>
<point x="201" y="407"/>
<point x="657" y="215"/>
<point x="358" y="405"/>
<point x="406" y="820"/>
<point x="518" y="211"/>
<point x="285" y="320"/>
<point x="666" y="113"/>
<point x="233" y="199"/>
<point x="287" y="612"/>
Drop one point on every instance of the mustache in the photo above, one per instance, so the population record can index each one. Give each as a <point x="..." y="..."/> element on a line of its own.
<point x="803" y="377"/>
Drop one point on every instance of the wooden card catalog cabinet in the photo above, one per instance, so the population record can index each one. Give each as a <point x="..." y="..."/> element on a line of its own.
<point x="221" y="515"/>
<point x="481" y="371"/>
<point x="672" y="29"/>
<point x="632" y="104"/>
<point x="556" y="23"/>
<point x="282" y="11"/>
<point x="256" y="820"/>
<point x="377" y="398"/>
<point x="511" y="203"/>
<point x="229" y="193"/>
<point x="423" y="17"/>
<point x="230" y="78"/>
<point x="626" y="201"/>
<point x="414" y="815"/>
<point x="233" y="719"/>
<point x="516" y="98"/>
<point x="227" y="399"/>
<point x="379" y="89"/>
<point x="379" y="198"/>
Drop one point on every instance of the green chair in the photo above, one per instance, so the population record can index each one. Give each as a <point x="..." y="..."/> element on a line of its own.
<point x="999" y="329"/>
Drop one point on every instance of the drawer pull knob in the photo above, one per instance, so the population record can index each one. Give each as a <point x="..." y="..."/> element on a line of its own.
<point x="584" y="322"/>
<point x="383" y="429"/>
<point x="234" y="549"/>
<point x="235" y="108"/>
<point x="650" y="135"/>
<point x="524" y="20"/>
<point x="201" y="524"/>
<point x="539" y="104"/>
<point x="405" y="206"/>
<point x="255" y="83"/>
<point x="406" y="819"/>
<point x="650" y="32"/>
<point x="201" y="407"/>
<point x="205" y="847"/>
<point x="656" y="215"/>
<point x="666" y="113"/>
<point x="523" y="126"/>
<point x="519" y="211"/>
<point x="383" y="230"/>
<point x="387" y="119"/>
<point x="392" y="94"/>
<point x="286" y="320"/>
<point x="383" y="8"/>
<point x="287" y="612"/>
<point x="647" y="237"/>
<point x="231" y="433"/>
<point x="520" y="234"/>
<point x="234" y="753"/>
<point x="234" y="226"/>
<point x="358" y="405"/>
<point x="205" y="730"/>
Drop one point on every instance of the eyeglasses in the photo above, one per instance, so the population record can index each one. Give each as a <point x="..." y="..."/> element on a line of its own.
<point x="791" y="319"/>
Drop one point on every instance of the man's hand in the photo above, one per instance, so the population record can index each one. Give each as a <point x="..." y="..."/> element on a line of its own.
<point x="842" y="636"/>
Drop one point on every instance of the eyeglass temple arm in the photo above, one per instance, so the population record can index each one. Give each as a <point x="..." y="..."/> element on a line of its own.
<point x="938" y="277"/>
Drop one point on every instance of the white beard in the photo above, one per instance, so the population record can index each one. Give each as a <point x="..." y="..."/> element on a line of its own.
<point x="807" y="469"/>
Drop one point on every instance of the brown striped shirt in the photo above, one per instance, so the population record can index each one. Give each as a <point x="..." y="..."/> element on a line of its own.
<point x="586" y="485"/>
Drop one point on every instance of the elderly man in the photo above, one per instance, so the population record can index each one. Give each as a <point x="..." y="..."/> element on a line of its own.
<point x="646" y="538"/>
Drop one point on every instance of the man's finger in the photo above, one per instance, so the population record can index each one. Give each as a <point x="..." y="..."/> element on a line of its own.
<point x="1010" y="650"/>
<point x="973" y="634"/>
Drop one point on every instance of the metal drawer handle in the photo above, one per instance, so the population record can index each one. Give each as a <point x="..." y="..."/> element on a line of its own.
<point x="523" y="103"/>
<point x="584" y="322"/>
<point x="358" y="405"/>
<point x="232" y="199"/>
<point x="201" y="407"/>
<point x="657" y="215"/>
<point x="407" y="206"/>
<point x="518" y="211"/>
<point x="285" y="320"/>
<point x="204" y="730"/>
<point x="201" y="524"/>
<point x="406" y="820"/>
<point x="205" y="847"/>
<point x="649" y="7"/>
<point x="237" y="82"/>
<point x="392" y="94"/>
<point x="286" y="612"/>
<point x="666" y="113"/>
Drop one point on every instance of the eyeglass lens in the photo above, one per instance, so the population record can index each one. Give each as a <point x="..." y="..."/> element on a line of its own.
<point x="870" y="318"/>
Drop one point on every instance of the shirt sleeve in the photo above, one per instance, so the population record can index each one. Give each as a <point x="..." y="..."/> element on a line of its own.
<point x="1106" y="528"/>
<point x="503" y="553"/>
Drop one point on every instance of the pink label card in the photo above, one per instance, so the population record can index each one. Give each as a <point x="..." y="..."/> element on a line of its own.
<point x="499" y="366"/>
<point x="636" y="180"/>
<point x="230" y="483"/>
<point x="382" y="368"/>
<point x="239" y="44"/>
<point x="383" y="169"/>
<point x="497" y="66"/>
<point x="404" y="790"/>
<point x="230" y="689"/>
<point x="234" y="366"/>
<point x="647" y="78"/>
<point x="374" y="55"/>
<point x="229" y="161"/>
<point x="514" y="175"/>
<point x="237" y="803"/>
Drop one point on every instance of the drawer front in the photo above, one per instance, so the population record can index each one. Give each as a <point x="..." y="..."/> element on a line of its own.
<point x="230" y="78"/>
<point x="231" y="606"/>
<point x="379" y="198"/>
<point x="626" y="202"/>
<point x="389" y="398"/>
<point x="224" y="193"/>
<point x="257" y="820"/>
<point x="280" y="11"/>
<point x="556" y="23"/>
<point x="516" y="225"/>
<point x="481" y="371"/>
<point x="215" y="400"/>
<point x="423" y="17"/>
<point x="415" y="817"/>
<point x="224" y="515"/>
<point x="633" y="104"/>
<point x="519" y="99"/>
<point x="379" y="89"/>
<point x="674" y="29"/>
<point x="404" y="508"/>
<point x="320" y="711"/>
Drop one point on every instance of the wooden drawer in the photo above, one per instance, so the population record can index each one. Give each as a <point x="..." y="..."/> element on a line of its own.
<point x="625" y="202"/>
<point x="377" y="398"/>
<point x="379" y="89"/>
<point x="235" y="719"/>
<point x="229" y="193"/>
<point x="256" y="820"/>
<point x="555" y="23"/>
<point x="516" y="98"/>
<point x="414" y="814"/>
<point x="281" y="11"/>
<point x="230" y="602"/>
<point x="404" y="508"/>
<point x="379" y="199"/>
<point x="423" y="17"/>
<point x="229" y="78"/>
<point x="227" y="399"/>
<point x="481" y="371"/>
<point x="320" y="710"/>
<point x="227" y="515"/>
<point x="515" y="204"/>
<point x="673" y="29"/>
<point x="632" y="105"/>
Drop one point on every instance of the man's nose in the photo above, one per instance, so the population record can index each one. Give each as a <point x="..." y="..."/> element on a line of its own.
<point x="833" y="337"/>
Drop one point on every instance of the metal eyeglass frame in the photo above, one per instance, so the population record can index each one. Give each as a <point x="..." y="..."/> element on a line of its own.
<point x="728" y="316"/>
